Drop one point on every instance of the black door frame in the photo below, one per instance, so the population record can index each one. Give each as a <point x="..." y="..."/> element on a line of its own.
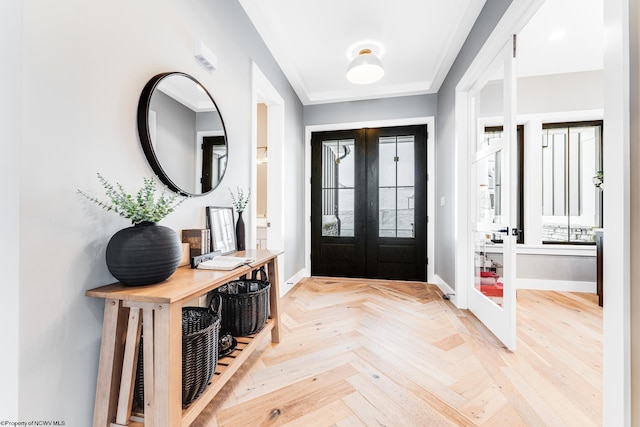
<point x="372" y="244"/>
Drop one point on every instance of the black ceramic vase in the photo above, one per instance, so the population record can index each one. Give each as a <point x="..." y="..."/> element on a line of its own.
<point x="240" y="239"/>
<point x="143" y="254"/>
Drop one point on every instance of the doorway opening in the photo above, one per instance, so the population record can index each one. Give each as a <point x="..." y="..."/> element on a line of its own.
<point x="262" y="187"/>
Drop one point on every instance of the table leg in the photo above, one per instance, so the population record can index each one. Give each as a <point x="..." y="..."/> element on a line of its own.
<point x="149" y="400"/>
<point x="128" y="368"/>
<point x="110" y="364"/>
<point x="167" y="411"/>
<point x="274" y="298"/>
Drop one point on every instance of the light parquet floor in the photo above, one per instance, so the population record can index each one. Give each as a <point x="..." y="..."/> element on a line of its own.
<point x="383" y="353"/>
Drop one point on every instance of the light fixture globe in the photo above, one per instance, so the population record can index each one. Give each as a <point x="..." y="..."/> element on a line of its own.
<point x="365" y="68"/>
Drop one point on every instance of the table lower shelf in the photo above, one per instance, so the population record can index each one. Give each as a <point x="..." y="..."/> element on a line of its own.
<point x="226" y="367"/>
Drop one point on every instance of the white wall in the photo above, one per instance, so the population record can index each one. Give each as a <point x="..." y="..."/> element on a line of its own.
<point x="561" y="92"/>
<point x="10" y="42"/>
<point x="84" y="65"/>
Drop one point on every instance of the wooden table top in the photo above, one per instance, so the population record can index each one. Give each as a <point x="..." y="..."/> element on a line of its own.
<point x="186" y="283"/>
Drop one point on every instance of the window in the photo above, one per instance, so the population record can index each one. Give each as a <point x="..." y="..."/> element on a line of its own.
<point x="571" y="203"/>
<point x="338" y="188"/>
<point x="396" y="186"/>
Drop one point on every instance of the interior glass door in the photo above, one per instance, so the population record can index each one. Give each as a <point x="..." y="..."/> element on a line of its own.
<point x="491" y="296"/>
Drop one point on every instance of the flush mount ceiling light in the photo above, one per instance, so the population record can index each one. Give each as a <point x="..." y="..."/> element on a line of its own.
<point x="365" y="68"/>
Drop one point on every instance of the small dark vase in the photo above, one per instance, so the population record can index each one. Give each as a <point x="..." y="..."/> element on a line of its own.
<point x="143" y="254"/>
<point x="240" y="239"/>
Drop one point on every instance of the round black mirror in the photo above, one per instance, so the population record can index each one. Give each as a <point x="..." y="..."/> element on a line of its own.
<point x="182" y="133"/>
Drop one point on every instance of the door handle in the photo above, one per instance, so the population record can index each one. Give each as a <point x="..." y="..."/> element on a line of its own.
<point x="515" y="231"/>
<point x="503" y="230"/>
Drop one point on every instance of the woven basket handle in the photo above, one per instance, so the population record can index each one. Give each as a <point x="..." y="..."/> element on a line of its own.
<point x="263" y="274"/>
<point x="217" y="307"/>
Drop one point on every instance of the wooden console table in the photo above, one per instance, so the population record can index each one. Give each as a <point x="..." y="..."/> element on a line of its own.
<point x="157" y="310"/>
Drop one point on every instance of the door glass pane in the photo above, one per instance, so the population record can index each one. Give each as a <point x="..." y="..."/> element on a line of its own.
<point x="488" y="265"/>
<point x="345" y="209"/>
<point x="489" y="190"/>
<point x="388" y="215"/>
<point x="489" y="109"/>
<point x="338" y="188"/>
<point x="396" y="186"/>
<point x="405" y="203"/>
<point x="386" y="163"/>
<point x="406" y="161"/>
<point x="490" y="197"/>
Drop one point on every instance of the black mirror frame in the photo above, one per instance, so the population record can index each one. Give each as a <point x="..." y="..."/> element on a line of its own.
<point x="145" y="136"/>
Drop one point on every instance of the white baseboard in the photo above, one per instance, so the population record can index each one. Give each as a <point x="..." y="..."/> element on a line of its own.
<point x="290" y="283"/>
<point x="445" y="288"/>
<point x="556" y="285"/>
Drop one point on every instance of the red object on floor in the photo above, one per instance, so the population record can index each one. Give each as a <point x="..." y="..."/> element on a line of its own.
<point x="488" y="274"/>
<point x="492" y="290"/>
<point x="489" y="284"/>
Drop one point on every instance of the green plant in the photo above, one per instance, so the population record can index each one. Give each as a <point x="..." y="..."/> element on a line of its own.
<point x="240" y="201"/>
<point x="598" y="179"/>
<point x="143" y="207"/>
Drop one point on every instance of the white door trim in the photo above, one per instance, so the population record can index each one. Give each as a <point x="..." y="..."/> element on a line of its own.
<point x="617" y="261"/>
<point x="263" y="92"/>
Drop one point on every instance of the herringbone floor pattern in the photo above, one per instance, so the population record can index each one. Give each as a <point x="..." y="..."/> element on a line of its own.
<point x="381" y="353"/>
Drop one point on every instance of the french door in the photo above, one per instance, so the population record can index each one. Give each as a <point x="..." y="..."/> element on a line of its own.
<point x="368" y="203"/>
<point x="492" y="198"/>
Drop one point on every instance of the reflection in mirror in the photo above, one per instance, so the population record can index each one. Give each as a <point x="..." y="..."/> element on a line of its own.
<point x="220" y="222"/>
<point x="182" y="133"/>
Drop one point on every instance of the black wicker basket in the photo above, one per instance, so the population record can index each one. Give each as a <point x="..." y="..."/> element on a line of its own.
<point x="245" y="305"/>
<point x="200" y="330"/>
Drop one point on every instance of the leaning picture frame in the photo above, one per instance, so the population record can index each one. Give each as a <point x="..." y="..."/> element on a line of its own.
<point x="220" y="221"/>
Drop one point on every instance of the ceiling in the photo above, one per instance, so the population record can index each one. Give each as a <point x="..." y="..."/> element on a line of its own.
<point x="187" y="92"/>
<point x="417" y="41"/>
<point x="563" y="36"/>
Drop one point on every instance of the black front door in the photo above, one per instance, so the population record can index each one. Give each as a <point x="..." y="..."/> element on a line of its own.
<point x="368" y="203"/>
